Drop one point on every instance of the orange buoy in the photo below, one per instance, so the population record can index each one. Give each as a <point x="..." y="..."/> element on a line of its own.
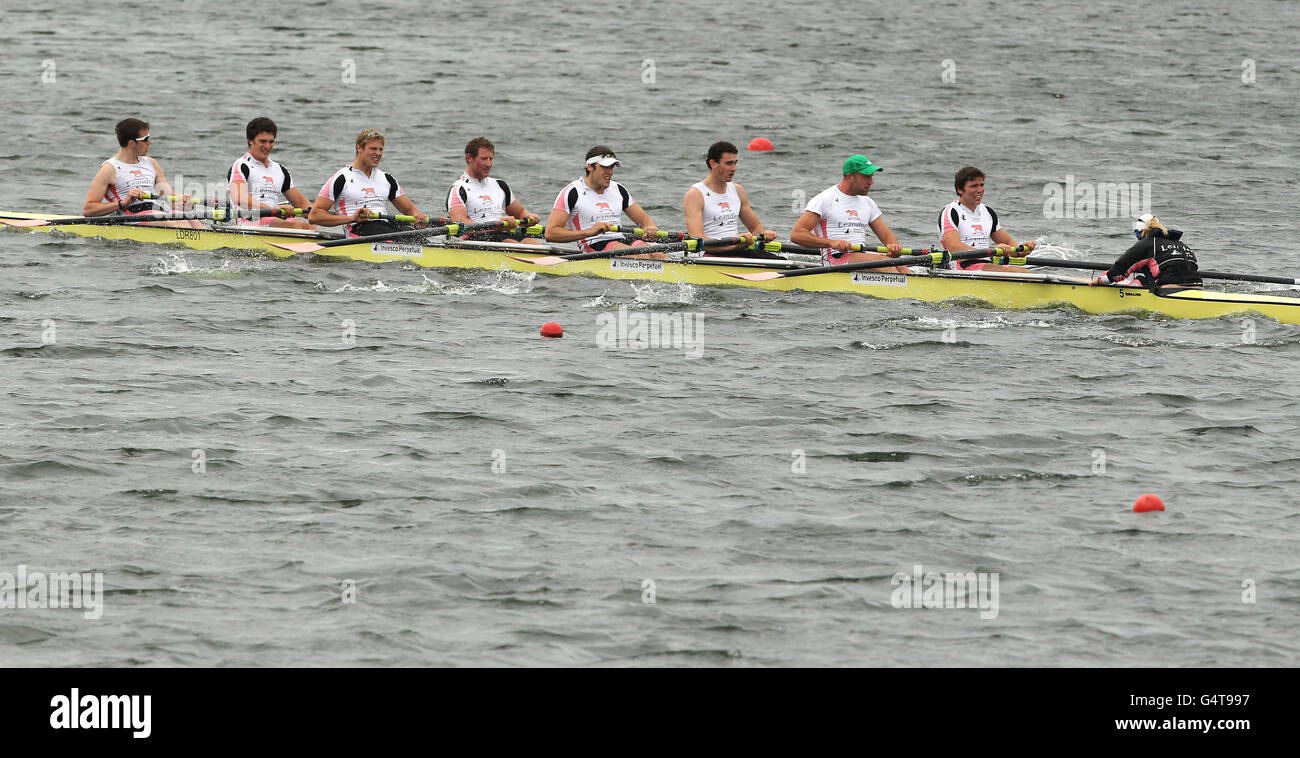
<point x="552" y="329"/>
<point x="1148" y="503"/>
<point x="761" y="143"/>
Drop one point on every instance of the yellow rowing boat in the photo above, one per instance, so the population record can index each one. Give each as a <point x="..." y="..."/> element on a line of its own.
<point x="1001" y="290"/>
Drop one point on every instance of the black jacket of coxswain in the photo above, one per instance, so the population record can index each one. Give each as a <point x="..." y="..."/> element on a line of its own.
<point x="1159" y="261"/>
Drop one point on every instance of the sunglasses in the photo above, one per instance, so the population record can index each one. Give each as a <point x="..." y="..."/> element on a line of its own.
<point x="145" y="138"/>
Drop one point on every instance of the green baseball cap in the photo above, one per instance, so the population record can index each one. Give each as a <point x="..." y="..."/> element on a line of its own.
<point x="858" y="164"/>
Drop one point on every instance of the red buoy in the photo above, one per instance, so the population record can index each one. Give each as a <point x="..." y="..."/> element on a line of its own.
<point x="761" y="143"/>
<point x="1148" y="503"/>
<point x="552" y="329"/>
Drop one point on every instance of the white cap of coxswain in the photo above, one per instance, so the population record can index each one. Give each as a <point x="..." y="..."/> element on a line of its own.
<point x="1145" y="223"/>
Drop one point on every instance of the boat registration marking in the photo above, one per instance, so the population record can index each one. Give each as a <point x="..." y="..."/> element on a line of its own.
<point x="871" y="278"/>
<point x="187" y="234"/>
<point x="393" y="248"/>
<point x="636" y="264"/>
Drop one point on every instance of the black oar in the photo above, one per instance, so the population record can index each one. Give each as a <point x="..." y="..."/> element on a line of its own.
<point x="790" y="247"/>
<point x="934" y="258"/>
<point x="1096" y="266"/>
<point x="139" y="218"/>
<point x="689" y="245"/>
<point x="448" y="229"/>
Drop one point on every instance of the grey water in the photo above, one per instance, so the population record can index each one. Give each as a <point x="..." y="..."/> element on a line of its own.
<point x="318" y="463"/>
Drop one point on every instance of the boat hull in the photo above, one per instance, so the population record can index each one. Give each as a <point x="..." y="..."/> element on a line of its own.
<point x="1006" y="291"/>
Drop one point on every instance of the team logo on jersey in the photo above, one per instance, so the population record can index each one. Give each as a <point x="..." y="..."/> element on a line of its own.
<point x="978" y="227"/>
<point x="851" y="213"/>
<point x="485" y="198"/>
<point x="367" y="190"/>
<point x="268" y="179"/>
<point x="137" y="172"/>
<point x="603" y="206"/>
<point x="724" y="205"/>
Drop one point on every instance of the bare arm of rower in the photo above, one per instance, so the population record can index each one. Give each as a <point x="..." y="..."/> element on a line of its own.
<point x="555" y="231"/>
<point x="405" y="205"/>
<point x="886" y="236"/>
<point x="164" y="187"/>
<point x="320" y="214"/>
<point x="458" y="214"/>
<point x="238" y="192"/>
<point x="296" y="198"/>
<point x="693" y="208"/>
<point x="749" y="218"/>
<point x="95" y="205"/>
<point x="641" y="218"/>
<point x="952" y="242"/>
<point x="802" y="234"/>
<point x="517" y="210"/>
<point x="1005" y="241"/>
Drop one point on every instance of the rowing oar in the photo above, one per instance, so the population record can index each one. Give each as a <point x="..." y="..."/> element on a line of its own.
<point x="640" y="233"/>
<point x="218" y="204"/>
<point x="139" y="218"/>
<point x="433" y="231"/>
<point x="933" y="258"/>
<point x="688" y="245"/>
<point x="1096" y="266"/>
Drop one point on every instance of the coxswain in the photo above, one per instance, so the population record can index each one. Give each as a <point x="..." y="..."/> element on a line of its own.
<point x="1159" y="259"/>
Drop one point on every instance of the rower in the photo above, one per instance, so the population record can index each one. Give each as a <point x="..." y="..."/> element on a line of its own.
<point x="476" y="197"/>
<point x="715" y="203"/>
<point x="586" y="208"/>
<point x="257" y="182"/>
<point x="123" y="180"/>
<point x="842" y="213"/>
<point x="1159" y="259"/>
<point x="968" y="224"/>
<point x="360" y="191"/>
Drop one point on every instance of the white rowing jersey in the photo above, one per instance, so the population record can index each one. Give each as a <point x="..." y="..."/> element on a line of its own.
<point x="721" y="211"/>
<point x="266" y="182"/>
<point x="975" y="227"/>
<point x="351" y="190"/>
<point x="483" y="201"/>
<point x="586" y="207"/>
<point x="129" y="176"/>
<point x="843" y="217"/>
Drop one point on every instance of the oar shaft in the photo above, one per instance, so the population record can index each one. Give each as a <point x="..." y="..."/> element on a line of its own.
<point x="1098" y="266"/>
<point x="433" y="231"/>
<point x="934" y="258"/>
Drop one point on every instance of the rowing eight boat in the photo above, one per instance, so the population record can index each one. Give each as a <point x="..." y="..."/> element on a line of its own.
<point x="1002" y="290"/>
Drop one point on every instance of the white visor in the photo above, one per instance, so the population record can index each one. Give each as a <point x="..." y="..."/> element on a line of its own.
<point x="605" y="160"/>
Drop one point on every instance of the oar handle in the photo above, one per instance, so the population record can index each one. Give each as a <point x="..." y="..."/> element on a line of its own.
<point x="637" y="231"/>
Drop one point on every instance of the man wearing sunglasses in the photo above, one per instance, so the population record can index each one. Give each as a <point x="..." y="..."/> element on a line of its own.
<point x="586" y="208"/>
<point x="122" y="181"/>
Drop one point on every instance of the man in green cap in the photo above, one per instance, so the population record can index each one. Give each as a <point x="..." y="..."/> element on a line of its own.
<point x="839" y="216"/>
